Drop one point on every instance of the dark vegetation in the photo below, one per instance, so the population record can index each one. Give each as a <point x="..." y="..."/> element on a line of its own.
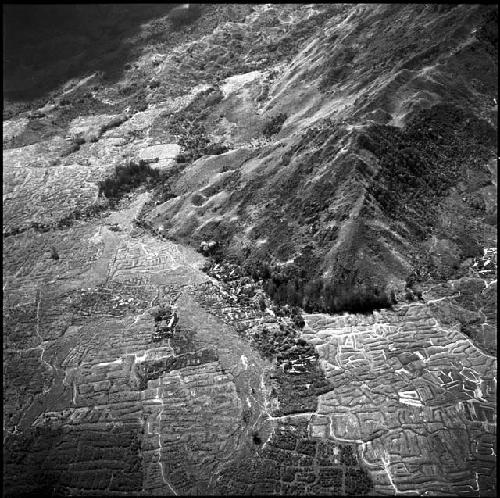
<point x="257" y="440"/>
<point x="339" y="67"/>
<point x="274" y="125"/>
<point x="163" y="312"/>
<point x="420" y="164"/>
<point x="324" y="467"/>
<point x="82" y="214"/>
<point x="295" y="286"/>
<point x="413" y="290"/>
<point x="189" y="126"/>
<point x="65" y="222"/>
<point x="126" y="177"/>
<point x="299" y="284"/>
<point x="298" y="376"/>
<point x="53" y="253"/>
<point x="488" y="32"/>
<point x="287" y="285"/>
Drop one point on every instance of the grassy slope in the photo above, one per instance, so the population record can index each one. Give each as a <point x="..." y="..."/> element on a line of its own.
<point x="390" y="128"/>
<point x="368" y="185"/>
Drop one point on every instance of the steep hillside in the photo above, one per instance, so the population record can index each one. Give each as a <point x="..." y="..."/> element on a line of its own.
<point x="384" y="164"/>
<point x="250" y="249"/>
<point x="323" y="167"/>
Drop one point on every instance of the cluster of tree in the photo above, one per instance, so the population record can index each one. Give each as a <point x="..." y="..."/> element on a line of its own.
<point x="127" y="177"/>
<point x="188" y="124"/>
<point x="292" y="285"/>
<point x="66" y="221"/>
<point x="81" y="214"/>
<point x="413" y="290"/>
<point x="318" y="295"/>
<point x="419" y="165"/>
<point x="197" y="146"/>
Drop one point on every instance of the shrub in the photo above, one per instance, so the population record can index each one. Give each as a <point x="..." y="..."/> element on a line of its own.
<point x="215" y="149"/>
<point x="469" y="247"/>
<point x="298" y="321"/>
<point x="140" y="107"/>
<point x="54" y="254"/>
<point x="257" y="440"/>
<point x="274" y="125"/>
<point x="126" y="178"/>
<point x="246" y="415"/>
<point x="162" y="313"/>
<point x="264" y="93"/>
<point x="188" y="125"/>
<point x="182" y="158"/>
<point x="337" y="67"/>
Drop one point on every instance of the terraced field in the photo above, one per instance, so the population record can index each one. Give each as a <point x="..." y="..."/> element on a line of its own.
<point x="270" y="131"/>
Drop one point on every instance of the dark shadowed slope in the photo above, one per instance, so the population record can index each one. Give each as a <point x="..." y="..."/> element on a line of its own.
<point x="45" y="45"/>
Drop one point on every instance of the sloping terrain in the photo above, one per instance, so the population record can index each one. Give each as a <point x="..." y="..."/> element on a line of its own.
<point x="325" y="157"/>
<point x="356" y="162"/>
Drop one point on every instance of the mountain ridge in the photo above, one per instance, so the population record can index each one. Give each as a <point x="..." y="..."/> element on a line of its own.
<point x="310" y="190"/>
